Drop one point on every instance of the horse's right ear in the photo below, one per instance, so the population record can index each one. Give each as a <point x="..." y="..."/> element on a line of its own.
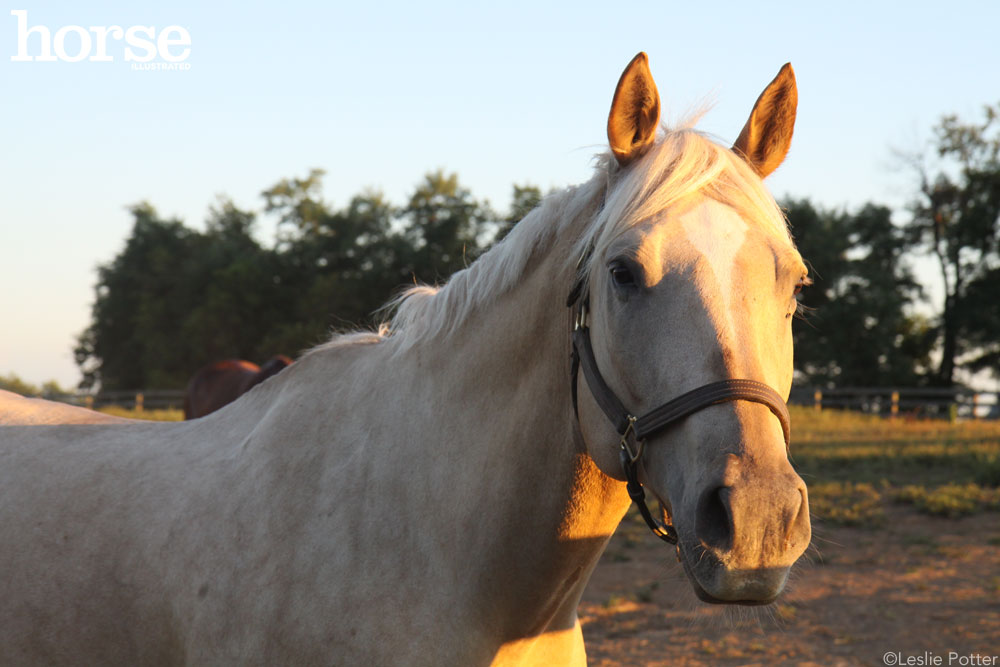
<point x="635" y="111"/>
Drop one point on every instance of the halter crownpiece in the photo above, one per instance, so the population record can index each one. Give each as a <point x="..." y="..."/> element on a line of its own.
<point x="638" y="428"/>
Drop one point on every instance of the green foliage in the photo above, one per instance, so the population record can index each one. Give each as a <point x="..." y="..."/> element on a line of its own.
<point x="11" y="382"/>
<point x="443" y="224"/>
<point x="856" y="330"/>
<point x="956" y="218"/>
<point x="176" y="298"/>
<point x="523" y="200"/>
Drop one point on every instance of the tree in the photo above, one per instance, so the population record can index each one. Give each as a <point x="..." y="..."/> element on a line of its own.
<point x="12" y="382"/>
<point x="524" y="199"/>
<point x="240" y="294"/>
<point x="133" y="335"/>
<point x="442" y="226"/>
<point x="296" y="201"/>
<point x="176" y="298"/>
<point x="956" y="218"/>
<point x="857" y="331"/>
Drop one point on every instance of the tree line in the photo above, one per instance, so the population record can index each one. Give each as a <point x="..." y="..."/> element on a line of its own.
<point x="176" y="297"/>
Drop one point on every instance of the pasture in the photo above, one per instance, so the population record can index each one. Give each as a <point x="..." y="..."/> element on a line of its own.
<point x="905" y="557"/>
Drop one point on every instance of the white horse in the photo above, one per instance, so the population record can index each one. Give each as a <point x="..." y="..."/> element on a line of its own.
<point x="17" y="409"/>
<point x="427" y="494"/>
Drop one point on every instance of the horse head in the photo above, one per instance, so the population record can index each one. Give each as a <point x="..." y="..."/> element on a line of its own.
<point x="691" y="278"/>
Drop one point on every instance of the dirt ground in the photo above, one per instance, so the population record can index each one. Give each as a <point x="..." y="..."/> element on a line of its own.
<point x="918" y="584"/>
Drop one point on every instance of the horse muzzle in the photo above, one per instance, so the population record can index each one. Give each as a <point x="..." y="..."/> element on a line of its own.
<point x="745" y="539"/>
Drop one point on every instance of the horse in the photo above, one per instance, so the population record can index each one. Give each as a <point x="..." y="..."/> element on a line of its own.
<point x="18" y="409"/>
<point x="222" y="382"/>
<point x="439" y="491"/>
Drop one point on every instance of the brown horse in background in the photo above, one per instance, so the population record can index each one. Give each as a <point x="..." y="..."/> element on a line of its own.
<point x="222" y="382"/>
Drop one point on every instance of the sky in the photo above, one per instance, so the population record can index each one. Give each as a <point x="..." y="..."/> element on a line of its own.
<point x="377" y="94"/>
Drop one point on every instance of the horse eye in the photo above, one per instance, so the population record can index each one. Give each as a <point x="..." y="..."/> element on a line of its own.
<point x="621" y="274"/>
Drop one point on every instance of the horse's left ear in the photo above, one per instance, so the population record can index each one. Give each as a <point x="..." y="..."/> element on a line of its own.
<point x="766" y="137"/>
<point x="635" y="111"/>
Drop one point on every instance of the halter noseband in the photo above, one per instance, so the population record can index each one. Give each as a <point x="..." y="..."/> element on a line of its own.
<point x="639" y="428"/>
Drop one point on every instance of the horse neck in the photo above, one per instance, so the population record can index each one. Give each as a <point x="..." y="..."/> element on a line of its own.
<point x="543" y="511"/>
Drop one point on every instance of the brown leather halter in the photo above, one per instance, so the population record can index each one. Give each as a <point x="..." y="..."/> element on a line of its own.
<point x="637" y="429"/>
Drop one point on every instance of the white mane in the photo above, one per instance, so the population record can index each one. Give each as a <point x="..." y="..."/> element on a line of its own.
<point x="683" y="162"/>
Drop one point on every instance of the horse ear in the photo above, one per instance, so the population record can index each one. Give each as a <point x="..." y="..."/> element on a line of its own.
<point x="635" y="111"/>
<point x="766" y="137"/>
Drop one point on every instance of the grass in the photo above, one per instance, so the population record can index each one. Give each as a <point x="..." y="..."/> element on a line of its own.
<point x="149" y="415"/>
<point x="848" y="503"/>
<point x="951" y="500"/>
<point x="855" y="464"/>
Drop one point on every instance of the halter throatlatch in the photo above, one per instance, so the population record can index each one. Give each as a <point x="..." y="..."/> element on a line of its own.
<point x="634" y="430"/>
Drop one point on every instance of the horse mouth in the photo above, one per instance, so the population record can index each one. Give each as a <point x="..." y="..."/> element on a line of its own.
<point x="705" y="596"/>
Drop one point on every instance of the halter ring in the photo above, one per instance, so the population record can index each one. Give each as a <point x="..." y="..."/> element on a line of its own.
<point x="624" y="443"/>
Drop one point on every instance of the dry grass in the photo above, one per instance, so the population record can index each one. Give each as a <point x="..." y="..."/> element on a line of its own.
<point x="855" y="463"/>
<point x="149" y="415"/>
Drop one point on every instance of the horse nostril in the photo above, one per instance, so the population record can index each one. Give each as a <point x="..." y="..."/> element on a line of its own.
<point x="714" y="521"/>
<point x="799" y="529"/>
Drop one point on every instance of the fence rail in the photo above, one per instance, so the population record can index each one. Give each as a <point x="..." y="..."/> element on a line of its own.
<point x="889" y="401"/>
<point x="145" y="399"/>
<point x="893" y="401"/>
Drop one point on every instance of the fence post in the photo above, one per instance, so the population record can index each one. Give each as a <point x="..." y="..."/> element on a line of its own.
<point x="88" y="401"/>
<point x="139" y="399"/>
<point x="818" y="400"/>
<point x="894" y="410"/>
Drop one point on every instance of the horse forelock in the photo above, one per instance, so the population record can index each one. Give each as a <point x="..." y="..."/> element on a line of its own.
<point x="683" y="163"/>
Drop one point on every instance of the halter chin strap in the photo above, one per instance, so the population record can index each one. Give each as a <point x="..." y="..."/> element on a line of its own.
<point x="634" y="430"/>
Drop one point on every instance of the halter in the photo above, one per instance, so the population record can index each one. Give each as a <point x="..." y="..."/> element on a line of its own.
<point x="637" y="429"/>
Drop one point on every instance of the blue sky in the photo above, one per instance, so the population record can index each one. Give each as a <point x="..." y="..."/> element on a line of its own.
<point x="379" y="94"/>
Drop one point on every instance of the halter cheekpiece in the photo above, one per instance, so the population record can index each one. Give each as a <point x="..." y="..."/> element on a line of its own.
<point x="634" y="430"/>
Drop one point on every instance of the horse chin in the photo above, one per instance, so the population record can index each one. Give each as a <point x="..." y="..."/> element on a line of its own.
<point x="748" y="588"/>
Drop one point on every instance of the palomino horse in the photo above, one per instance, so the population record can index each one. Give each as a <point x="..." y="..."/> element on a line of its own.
<point x="222" y="382"/>
<point x="427" y="494"/>
<point x="17" y="409"/>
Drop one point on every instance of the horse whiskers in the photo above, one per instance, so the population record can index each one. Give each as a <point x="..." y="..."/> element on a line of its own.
<point x="820" y="538"/>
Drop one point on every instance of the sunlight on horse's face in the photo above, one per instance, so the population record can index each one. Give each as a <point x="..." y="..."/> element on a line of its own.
<point x="696" y="295"/>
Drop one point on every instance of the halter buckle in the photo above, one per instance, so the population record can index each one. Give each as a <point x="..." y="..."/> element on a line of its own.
<point x="638" y="443"/>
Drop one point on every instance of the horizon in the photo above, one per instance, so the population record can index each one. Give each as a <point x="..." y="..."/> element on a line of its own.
<point x="379" y="96"/>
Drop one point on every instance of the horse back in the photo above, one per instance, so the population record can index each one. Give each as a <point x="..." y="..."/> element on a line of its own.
<point x="19" y="410"/>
